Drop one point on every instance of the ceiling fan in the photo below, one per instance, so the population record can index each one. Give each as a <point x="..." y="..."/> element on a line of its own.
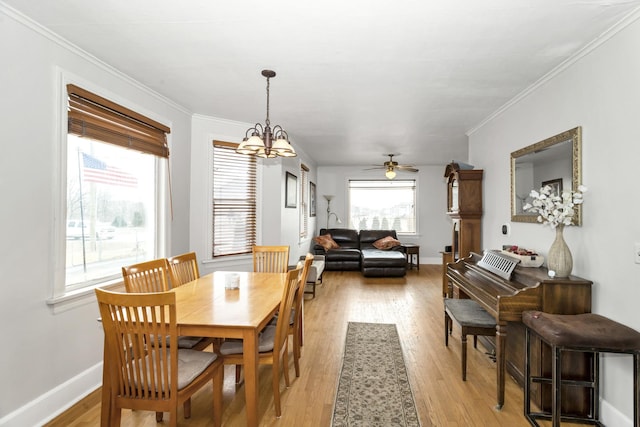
<point x="391" y="166"/>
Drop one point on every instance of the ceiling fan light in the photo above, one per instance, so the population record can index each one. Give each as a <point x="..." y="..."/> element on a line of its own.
<point x="390" y="173"/>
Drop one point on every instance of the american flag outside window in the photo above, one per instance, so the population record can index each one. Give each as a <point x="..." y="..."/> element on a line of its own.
<point x="95" y="170"/>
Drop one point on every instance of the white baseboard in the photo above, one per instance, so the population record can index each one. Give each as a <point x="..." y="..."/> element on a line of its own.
<point x="54" y="402"/>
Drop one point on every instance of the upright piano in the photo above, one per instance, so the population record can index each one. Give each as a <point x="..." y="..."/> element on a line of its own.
<point x="505" y="299"/>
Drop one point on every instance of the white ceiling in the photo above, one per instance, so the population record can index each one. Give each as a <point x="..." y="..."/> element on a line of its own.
<point x="355" y="79"/>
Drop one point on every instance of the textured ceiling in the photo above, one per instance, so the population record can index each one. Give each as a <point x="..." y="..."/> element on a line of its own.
<point x="355" y="79"/>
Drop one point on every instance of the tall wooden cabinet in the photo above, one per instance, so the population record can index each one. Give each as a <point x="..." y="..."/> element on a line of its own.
<point x="464" y="207"/>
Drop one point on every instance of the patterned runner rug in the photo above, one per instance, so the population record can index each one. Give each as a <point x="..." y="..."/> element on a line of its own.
<point x="373" y="389"/>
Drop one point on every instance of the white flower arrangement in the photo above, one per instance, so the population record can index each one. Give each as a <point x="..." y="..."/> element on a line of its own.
<point x="552" y="209"/>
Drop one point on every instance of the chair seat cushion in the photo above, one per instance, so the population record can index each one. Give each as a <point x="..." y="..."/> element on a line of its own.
<point x="192" y="363"/>
<point x="188" y="342"/>
<point x="582" y="331"/>
<point x="265" y="342"/>
<point x="315" y="271"/>
<point x="184" y="341"/>
<point x="467" y="312"/>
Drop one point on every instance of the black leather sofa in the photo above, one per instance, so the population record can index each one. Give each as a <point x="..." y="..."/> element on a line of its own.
<point x="347" y="256"/>
<point x="381" y="263"/>
<point x="356" y="252"/>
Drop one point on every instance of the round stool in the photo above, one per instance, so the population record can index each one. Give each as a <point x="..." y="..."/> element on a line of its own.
<point x="586" y="332"/>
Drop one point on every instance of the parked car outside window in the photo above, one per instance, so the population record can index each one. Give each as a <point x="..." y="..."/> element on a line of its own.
<point x="75" y="230"/>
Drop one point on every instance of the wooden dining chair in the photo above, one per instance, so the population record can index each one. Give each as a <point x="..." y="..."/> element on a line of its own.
<point x="183" y="268"/>
<point x="273" y="341"/>
<point x="296" y="322"/>
<point x="146" y="373"/>
<point x="148" y="276"/>
<point x="153" y="276"/>
<point x="270" y="259"/>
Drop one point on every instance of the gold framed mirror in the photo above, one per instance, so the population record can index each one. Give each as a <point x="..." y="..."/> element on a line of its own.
<point x="556" y="160"/>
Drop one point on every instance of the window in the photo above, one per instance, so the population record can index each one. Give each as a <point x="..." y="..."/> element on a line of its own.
<point x="113" y="188"/>
<point x="382" y="205"/>
<point x="234" y="200"/>
<point x="304" y="201"/>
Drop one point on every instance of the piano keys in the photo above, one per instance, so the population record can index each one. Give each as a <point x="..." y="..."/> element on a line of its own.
<point x="505" y="299"/>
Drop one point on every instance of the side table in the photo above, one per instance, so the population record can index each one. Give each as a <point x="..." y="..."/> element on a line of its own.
<point x="412" y="250"/>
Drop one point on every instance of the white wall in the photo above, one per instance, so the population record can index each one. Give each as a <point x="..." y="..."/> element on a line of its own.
<point x="277" y="225"/>
<point x="601" y="93"/>
<point x="434" y="226"/>
<point x="51" y="358"/>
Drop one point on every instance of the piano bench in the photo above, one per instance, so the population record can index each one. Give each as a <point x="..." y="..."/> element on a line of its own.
<point x="587" y="332"/>
<point x="473" y="320"/>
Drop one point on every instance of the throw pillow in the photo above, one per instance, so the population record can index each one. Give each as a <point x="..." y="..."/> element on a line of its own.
<point x="386" y="243"/>
<point x="326" y="242"/>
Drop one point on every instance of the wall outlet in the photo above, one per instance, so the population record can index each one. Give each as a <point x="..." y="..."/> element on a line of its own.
<point x="636" y="253"/>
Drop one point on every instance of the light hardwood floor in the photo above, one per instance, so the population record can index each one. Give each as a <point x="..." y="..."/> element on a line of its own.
<point x="414" y="304"/>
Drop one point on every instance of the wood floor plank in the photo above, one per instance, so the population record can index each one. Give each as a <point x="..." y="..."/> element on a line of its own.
<point x="414" y="303"/>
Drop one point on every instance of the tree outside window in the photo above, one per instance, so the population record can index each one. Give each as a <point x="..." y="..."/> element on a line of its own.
<point x="383" y="205"/>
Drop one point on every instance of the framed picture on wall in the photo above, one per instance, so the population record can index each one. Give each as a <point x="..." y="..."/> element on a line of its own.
<point x="312" y="199"/>
<point x="291" y="191"/>
<point x="555" y="184"/>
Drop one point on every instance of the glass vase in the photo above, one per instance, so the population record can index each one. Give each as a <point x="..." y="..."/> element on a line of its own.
<point x="559" y="258"/>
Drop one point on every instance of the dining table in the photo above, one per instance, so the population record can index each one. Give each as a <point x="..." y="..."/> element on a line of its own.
<point x="207" y="307"/>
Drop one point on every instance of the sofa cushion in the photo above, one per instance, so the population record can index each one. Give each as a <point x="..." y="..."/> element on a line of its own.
<point x="378" y="263"/>
<point x="326" y="241"/>
<point x="368" y="237"/>
<point x="344" y="237"/>
<point x="342" y="254"/>
<point x="386" y="243"/>
<point x="378" y="258"/>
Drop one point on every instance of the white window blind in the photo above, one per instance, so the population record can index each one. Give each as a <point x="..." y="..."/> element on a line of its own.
<point x="234" y="200"/>
<point x="304" y="198"/>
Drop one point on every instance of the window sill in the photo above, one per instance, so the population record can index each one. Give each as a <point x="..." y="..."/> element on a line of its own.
<point x="80" y="297"/>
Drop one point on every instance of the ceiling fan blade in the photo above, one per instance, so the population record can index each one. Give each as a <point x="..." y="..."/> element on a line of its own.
<point x="407" y="168"/>
<point x="375" y="167"/>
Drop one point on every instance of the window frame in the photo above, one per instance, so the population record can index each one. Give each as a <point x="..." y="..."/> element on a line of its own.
<point x="212" y="242"/>
<point x="61" y="297"/>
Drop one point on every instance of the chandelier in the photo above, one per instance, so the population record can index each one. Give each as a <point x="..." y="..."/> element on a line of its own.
<point x="264" y="141"/>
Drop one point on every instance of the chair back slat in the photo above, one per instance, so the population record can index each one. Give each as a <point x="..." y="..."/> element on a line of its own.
<point x="288" y="295"/>
<point x="270" y="259"/>
<point x="183" y="269"/>
<point x="145" y="277"/>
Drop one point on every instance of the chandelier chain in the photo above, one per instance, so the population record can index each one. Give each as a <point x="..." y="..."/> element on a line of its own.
<point x="267" y="120"/>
